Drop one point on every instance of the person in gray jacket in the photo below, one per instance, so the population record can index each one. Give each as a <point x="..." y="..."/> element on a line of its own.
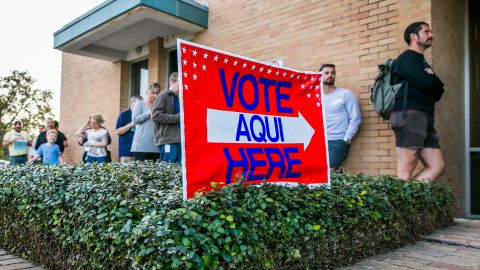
<point x="166" y="117"/>
<point x="143" y="146"/>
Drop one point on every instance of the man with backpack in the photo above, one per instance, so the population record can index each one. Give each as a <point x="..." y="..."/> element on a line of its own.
<point x="342" y="116"/>
<point x="412" y="118"/>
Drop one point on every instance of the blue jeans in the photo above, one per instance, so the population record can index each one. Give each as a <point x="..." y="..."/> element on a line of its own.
<point x="18" y="160"/>
<point x="337" y="152"/>
<point x="96" y="159"/>
<point x="174" y="154"/>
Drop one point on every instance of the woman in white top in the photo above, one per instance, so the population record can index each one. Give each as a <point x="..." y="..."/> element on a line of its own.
<point x="97" y="139"/>
<point x="143" y="146"/>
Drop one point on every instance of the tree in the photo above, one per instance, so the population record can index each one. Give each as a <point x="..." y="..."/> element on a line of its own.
<point x="20" y="101"/>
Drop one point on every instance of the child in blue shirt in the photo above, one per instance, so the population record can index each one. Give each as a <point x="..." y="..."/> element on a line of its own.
<point x="49" y="152"/>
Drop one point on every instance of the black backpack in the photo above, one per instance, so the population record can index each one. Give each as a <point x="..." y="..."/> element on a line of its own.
<point x="383" y="92"/>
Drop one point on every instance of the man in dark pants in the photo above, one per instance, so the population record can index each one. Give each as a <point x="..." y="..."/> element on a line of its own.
<point x="166" y="117"/>
<point x="342" y="116"/>
<point x="416" y="138"/>
<point x="125" y="129"/>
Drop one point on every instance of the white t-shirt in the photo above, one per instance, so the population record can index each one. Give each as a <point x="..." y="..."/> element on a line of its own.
<point x="342" y="114"/>
<point x="96" y="136"/>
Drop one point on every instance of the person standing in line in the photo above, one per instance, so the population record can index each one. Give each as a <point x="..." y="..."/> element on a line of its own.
<point x="166" y="116"/>
<point x="342" y="116"/>
<point x="143" y="146"/>
<point x="49" y="152"/>
<point x="415" y="134"/>
<point x="17" y="142"/>
<point x="97" y="139"/>
<point x="32" y="152"/>
<point x="61" y="138"/>
<point x="125" y="129"/>
<point x="83" y="138"/>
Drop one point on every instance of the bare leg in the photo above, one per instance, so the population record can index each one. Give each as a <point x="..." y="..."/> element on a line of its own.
<point x="434" y="164"/>
<point x="407" y="160"/>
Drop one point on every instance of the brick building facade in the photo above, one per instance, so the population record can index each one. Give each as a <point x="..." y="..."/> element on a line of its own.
<point x="356" y="35"/>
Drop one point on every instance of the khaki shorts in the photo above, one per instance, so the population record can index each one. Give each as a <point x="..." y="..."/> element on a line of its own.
<point x="416" y="131"/>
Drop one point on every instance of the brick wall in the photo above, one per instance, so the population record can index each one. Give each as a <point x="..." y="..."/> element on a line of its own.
<point x="356" y="35"/>
<point x="89" y="86"/>
<point x="448" y="62"/>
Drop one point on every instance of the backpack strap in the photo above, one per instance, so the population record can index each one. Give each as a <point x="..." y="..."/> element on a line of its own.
<point x="405" y="94"/>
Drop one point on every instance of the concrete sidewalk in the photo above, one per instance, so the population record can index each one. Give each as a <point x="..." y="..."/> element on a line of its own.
<point x="11" y="262"/>
<point x="456" y="247"/>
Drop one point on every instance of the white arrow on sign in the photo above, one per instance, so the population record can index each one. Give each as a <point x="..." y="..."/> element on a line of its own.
<point x="222" y="127"/>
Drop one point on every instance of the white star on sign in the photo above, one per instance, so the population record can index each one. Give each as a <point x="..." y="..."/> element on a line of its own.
<point x="225" y="60"/>
<point x="253" y="67"/>
<point x="261" y="69"/>
<point x="235" y="62"/>
<point x="278" y="72"/>
<point x="244" y="65"/>
<point x="303" y="86"/>
<point x="194" y="65"/>
<point x="318" y="104"/>
<point x="195" y="76"/>
<point x="215" y="57"/>
<point x="194" y="52"/>
<point x="184" y="50"/>
<point x="185" y="86"/>
<point x="308" y="95"/>
<point x="185" y="74"/>
<point x="298" y="77"/>
<point x="317" y="95"/>
<point x="284" y="74"/>
<point x="291" y="76"/>
<point x="205" y="55"/>
<point x="204" y="67"/>
<point x="269" y="71"/>
<point x="312" y="79"/>
<point x="184" y="62"/>
<point x="317" y="87"/>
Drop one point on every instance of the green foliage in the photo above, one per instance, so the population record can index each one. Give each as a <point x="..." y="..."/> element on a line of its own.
<point x="132" y="216"/>
<point x="20" y="101"/>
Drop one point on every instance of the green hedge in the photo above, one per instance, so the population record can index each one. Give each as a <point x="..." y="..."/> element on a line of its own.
<point x="124" y="216"/>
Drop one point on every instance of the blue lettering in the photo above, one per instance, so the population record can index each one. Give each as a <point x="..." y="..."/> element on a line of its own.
<point x="291" y="162"/>
<point x="240" y="81"/>
<point x="281" y="97"/>
<point x="252" y="160"/>
<point x="266" y="83"/>
<point x="229" y="95"/>
<point x="280" y="163"/>
<point x="242" y="128"/>
<point x="242" y="163"/>
<point x="277" y="122"/>
<point x="254" y="104"/>
<point x="261" y="135"/>
<point x="254" y="164"/>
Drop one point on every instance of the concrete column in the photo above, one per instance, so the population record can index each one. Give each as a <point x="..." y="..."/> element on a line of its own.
<point x="157" y="61"/>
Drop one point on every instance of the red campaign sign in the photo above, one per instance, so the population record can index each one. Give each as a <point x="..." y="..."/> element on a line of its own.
<point x="243" y="117"/>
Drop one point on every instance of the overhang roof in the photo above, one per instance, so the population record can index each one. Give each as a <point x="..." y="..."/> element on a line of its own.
<point x="116" y="27"/>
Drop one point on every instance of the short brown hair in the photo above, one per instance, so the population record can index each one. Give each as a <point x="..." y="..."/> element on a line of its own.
<point x="326" y="65"/>
<point x="173" y="77"/>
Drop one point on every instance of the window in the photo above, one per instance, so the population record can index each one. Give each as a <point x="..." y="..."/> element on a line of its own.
<point x="139" y="78"/>
<point x="172" y="62"/>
